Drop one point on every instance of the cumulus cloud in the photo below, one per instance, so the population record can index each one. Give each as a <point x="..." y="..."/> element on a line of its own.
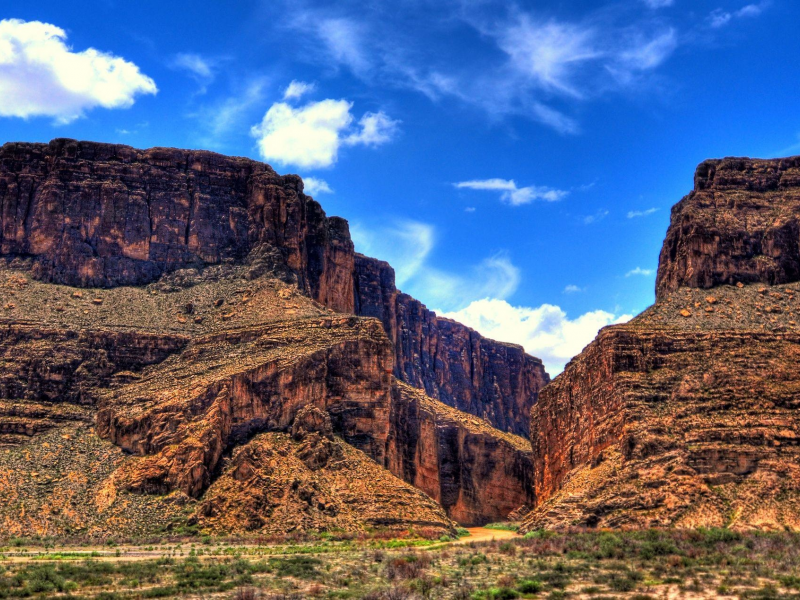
<point x="633" y="214"/>
<point x="545" y="331"/>
<point x="511" y="193"/>
<point x="41" y="76"/>
<point x="639" y="271"/>
<point x="572" y="289"/>
<point x="297" y="89"/>
<point x="314" y="186"/>
<point x="221" y="119"/>
<point x="311" y="136"/>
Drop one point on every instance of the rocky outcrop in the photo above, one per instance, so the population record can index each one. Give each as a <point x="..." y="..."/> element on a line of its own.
<point x="279" y="484"/>
<point x="478" y="474"/>
<point x="451" y="362"/>
<point x="104" y="215"/>
<point x="227" y="387"/>
<point x="741" y="223"/>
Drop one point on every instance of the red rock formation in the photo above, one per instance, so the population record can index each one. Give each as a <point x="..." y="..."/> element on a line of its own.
<point x="104" y="215"/>
<point x="687" y="416"/>
<point x="478" y="474"/>
<point x="451" y="362"/>
<point x="739" y="224"/>
<point x="94" y="214"/>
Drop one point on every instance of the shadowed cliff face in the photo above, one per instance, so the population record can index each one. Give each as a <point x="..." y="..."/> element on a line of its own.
<point x="102" y="215"/>
<point x="451" y="362"/>
<point x="687" y="415"/>
<point x="741" y="223"/>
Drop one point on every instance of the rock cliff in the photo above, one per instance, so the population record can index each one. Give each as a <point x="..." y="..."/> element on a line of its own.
<point x="102" y="215"/>
<point x="687" y="416"/>
<point x="451" y="362"/>
<point x="739" y="224"/>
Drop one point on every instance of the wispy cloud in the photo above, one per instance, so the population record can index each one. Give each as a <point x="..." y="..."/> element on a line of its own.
<point x="511" y="193"/>
<point x="310" y="136"/>
<point x="638" y="271"/>
<point x="573" y="289"/>
<point x="633" y="214"/>
<point x="223" y="118"/>
<point x="654" y="4"/>
<point x="596" y="217"/>
<point x="720" y="17"/>
<point x="407" y="246"/>
<point x="40" y="75"/>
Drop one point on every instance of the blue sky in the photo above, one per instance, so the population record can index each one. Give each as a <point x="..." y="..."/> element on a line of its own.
<point x="515" y="162"/>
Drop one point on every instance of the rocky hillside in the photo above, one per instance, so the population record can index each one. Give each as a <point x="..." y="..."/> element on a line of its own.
<point x="102" y="215"/>
<point x="183" y="345"/>
<point x="688" y="415"/>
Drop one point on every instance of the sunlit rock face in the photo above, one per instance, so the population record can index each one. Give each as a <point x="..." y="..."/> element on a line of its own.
<point x="687" y="415"/>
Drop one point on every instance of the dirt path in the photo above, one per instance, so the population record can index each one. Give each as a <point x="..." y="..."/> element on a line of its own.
<point x="481" y="534"/>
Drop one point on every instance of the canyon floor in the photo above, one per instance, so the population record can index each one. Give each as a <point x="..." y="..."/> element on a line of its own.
<point x="484" y="564"/>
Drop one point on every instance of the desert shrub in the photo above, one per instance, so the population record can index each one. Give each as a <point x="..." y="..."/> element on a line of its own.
<point x="410" y="566"/>
<point x="530" y="586"/>
<point x="301" y="567"/>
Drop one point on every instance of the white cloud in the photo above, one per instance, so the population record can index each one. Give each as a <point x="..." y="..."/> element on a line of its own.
<point x="41" y="76"/>
<point x="374" y="129"/>
<point x="511" y="193"/>
<point x="550" y="52"/>
<point x="573" y="289"/>
<point x="639" y="271"/>
<point x="719" y="17"/>
<point x="659" y="3"/>
<point x="641" y="213"/>
<point x="311" y="136"/>
<point x="313" y="186"/>
<point x="297" y="89"/>
<point x="545" y="331"/>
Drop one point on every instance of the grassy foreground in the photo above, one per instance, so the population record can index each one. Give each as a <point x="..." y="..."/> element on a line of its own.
<point x="582" y="564"/>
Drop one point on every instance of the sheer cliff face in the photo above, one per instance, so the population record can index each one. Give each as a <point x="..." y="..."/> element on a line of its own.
<point x="687" y="416"/>
<point x="451" y="362"/>
<point x="103" y="215"/>
<point x="741" y="223"/>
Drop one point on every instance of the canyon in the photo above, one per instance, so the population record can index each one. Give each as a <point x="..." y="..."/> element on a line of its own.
<point x="189" y="341"/>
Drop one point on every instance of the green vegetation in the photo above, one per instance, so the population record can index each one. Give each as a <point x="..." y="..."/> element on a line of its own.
<point x="503" y="526"/>
<point x="636" y="565"/>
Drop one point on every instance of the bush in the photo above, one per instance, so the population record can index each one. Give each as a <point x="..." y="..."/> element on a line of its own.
<point x="530" y="586"/>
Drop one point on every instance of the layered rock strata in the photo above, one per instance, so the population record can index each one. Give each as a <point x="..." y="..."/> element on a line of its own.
<point x="687" y="416"/>
<point x="739" y="224"/>
<point x="451" y="362"/>
<point x="475" y="472"/>
<point x="102" y="215"/>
